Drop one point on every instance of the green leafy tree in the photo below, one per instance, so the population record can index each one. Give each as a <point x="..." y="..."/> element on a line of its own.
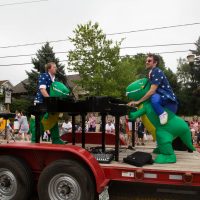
<point x="95" y="58"/>
<point x="101" y="69"/>
<point x="20" y="105"/>
<point x="43" y="56"/>
<point x="189" y="78"/>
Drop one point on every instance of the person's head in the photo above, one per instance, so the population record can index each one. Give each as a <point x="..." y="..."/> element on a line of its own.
<point x="195" y="118"/>
<point x="91" y="115"/>
<point x="152" y="61"/>
<point x="22" y="113"/>
<point x="51" y="68"/>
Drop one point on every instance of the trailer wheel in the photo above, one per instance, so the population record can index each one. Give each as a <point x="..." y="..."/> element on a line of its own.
<point x="66" y="179"/>
<point x="16" y="180"/>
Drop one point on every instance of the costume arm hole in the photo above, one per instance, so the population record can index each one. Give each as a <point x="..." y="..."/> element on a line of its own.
<point x="138" y="113"/>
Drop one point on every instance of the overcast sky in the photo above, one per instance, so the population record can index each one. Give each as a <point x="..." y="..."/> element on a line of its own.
<point x="56" y="19"/>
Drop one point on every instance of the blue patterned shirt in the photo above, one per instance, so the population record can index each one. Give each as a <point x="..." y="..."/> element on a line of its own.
<point x="157" y="77"/>
<point x="44" y="81"/>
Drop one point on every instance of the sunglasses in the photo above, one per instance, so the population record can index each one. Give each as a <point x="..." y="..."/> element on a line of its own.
<point x="148" y="61"/>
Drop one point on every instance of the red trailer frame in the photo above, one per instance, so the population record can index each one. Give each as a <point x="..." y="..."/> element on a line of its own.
<point x="39" y="156"/>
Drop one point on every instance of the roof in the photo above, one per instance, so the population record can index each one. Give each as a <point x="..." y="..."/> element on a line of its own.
<point x="19" y="88"/>
<point x="6" y="83"/>
<point x="2" y="82"/>
<point x="72" y="78"/>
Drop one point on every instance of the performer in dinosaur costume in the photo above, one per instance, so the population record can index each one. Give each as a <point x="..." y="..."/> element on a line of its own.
<point x="49" y="121"/>
<point x="164" y="134"/>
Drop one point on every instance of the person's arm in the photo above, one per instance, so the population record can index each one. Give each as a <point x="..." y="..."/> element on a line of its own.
<point x="151" y="91"/>
<point x="44" y="92"/>
<point x="107" y="128"/>
<point x="43" y="84"/>
<point x="136" y="114"/>
<point x="69" y="127"/>
<point x="113" y="128"/>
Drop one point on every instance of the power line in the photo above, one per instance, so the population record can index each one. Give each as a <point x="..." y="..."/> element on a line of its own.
<point x="62" y="40"/>
<point x="32" y="54"/>
<point x="167" y="52"/>
<point x="31" y="44"/>
<point x="24" y="63"/>
<point x="63" y="52"/>
<point x="158" y="45"/>
<point x="25" y="2"/>
<point x="152" y="29"/>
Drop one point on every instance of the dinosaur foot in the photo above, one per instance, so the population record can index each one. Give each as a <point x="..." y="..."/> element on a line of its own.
<point x="163" y="159"/>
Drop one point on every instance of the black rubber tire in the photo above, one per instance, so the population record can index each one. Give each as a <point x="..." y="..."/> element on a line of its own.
<point x="71" y="168"/>
<point x="23" y="175"/>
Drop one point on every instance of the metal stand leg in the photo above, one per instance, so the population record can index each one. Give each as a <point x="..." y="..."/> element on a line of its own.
<point x="116" y="138"/>
<point x="73" y="130"/>
<point x="83" y="130"/>
<point x="37" y="128"/>
<point x="103" y="138"/>
<point x="133" y="134"/>
<point x="6" y="135"/>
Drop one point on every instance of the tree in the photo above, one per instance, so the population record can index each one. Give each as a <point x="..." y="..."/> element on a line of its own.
<point x="189" y="79"/>
<point x="43" y="56"/>
<point x="20" y="105"/>
<point x="95" y="58"/>
<point x="99" y="65"/>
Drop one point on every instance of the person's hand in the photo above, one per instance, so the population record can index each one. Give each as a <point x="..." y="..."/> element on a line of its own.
<point x="133" y="103"/>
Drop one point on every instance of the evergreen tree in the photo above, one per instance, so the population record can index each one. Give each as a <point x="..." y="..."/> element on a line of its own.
<point x="43" y="56"/>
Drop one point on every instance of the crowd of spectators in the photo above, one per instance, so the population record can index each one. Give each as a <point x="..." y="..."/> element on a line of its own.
<point x="20" y="127"/>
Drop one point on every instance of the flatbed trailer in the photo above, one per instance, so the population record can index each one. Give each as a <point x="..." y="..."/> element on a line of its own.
<point x="37" y="157"/>
<point x="72" y="172"/>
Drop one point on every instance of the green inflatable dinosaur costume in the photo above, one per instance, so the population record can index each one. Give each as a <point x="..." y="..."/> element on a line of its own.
<point x="164" y="134"/>
<point x="50" y="120"/>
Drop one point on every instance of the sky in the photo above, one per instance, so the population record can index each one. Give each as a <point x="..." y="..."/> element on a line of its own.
<point x="56" y="19"/>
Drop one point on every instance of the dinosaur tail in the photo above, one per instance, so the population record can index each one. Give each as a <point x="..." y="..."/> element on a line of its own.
<point x="187" y="140"/>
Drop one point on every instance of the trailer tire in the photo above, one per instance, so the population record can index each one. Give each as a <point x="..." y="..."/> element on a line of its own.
<point x="16" y="180"/>
<point x="66" y="179"/>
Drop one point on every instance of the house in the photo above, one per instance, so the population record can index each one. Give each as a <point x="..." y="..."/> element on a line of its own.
<point x="77" y="91"/>
<point x="4" y="85"/>
<point x="19" y="89"/>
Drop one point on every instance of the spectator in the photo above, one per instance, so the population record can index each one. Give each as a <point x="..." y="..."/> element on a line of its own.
<point x="128" y="132"/>
<point x="198" y="136"/>
<point x="110" y="128"/>
<point x="47" y="136"/>
<point x="16" y="121"/>
<point x="24" y="127"/>
<point x="92" y="123"/>
<point x="66" y="127"/>
<point x="194" y="125"/>
<point x="140" y="132"/>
